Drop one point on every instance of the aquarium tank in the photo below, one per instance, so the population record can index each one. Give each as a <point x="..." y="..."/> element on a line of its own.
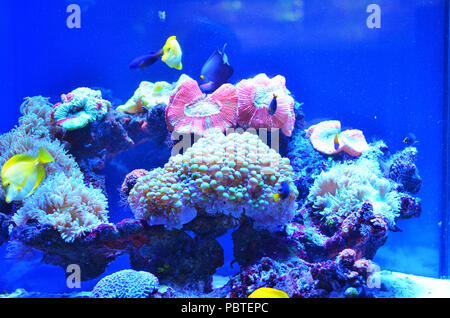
<point x="224" y="149"/>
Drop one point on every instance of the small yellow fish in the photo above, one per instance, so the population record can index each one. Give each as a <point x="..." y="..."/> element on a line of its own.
<point x="22" y="174"/>
<point x="172" y="53"/>
<point x="336" y="142"/>
<point x="266" y="292"/>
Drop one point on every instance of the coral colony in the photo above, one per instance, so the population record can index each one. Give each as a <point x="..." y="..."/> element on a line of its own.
<point x="306" y="220"/>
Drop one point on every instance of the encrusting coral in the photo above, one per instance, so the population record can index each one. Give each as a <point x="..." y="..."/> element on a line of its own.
<point x="147" y="96"/>
<point x="234" y="175"/>
<point x="79" y="108"/>
<point x="67" y="204"/>
<point x="126" y="284"/>
<point x="345" y="187"/>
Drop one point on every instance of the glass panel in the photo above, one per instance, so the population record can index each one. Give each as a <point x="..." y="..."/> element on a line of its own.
<point x="380" y="67"/>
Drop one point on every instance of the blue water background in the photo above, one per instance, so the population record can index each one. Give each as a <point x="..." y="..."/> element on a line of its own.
<point x="387" y="82"/>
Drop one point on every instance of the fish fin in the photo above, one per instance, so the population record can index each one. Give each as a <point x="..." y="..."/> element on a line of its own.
<point x="276" y="197"/>
<point x="179" y="66"/>
<point x="27" y="173"/>
<point x="44" y="156"/>
<point x="40" y="177"/>
<point x="7" y="199"/>
<point x="13" y="160"/>
<point x="224" y="46"/>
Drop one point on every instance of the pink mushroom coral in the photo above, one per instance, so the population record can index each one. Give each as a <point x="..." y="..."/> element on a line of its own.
<point x="255" y="96"/>
<point x="190" y="111"/>
<point x="322" y="137"/>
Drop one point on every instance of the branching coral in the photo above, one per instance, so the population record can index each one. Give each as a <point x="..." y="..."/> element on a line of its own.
<point x="232" y="175"/>
<point x="67" y="204"/>
<point x="341" y="191"/>
<point x="79" y="108"/>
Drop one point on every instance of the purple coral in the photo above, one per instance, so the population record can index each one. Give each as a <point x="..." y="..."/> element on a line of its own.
<point x="403" y="170"/>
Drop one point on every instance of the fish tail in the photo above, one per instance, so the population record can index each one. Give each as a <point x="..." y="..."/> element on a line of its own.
<point x="44" y="156"/>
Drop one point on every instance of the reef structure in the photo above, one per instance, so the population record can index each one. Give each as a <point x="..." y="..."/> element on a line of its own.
<point x="307" y="221"/>
<point x="233" y="175"/>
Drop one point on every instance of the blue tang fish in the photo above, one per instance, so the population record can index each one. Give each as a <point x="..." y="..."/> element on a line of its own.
<point x="216" y="71"/>
<point x="283" y="192"/>
<point x="273" y="105"/>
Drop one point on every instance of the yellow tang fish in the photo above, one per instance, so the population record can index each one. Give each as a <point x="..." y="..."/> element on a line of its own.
<point x="172" y="53"/>
<point x="266" y="292"/>
<point x="22" y="174"/>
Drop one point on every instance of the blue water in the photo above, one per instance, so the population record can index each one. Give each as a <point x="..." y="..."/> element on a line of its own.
<point x="387" y="81"/>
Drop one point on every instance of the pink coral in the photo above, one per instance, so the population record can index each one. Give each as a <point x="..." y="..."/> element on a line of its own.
<point x="323" y="134"/>
<point x="255" y="96"/>
<point x="190" y="111"/>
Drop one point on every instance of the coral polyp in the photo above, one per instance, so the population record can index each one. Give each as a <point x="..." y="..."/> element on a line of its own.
<point x="79" y="108"/>
<point x="344" y="188"/>
<point x="306" y="213"/>
<point x="255" y="97"/>
<point x="232" y="175"/>
<point x="190" y="111"/>
<point x="148" y="95"/>
<point x="68" y="205"/>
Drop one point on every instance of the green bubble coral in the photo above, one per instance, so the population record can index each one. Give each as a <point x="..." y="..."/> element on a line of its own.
<point x="233" y="175"/>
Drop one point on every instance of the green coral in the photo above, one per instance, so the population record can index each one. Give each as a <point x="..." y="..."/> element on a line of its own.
<point x="79" y="108"/>
<point x="147" y="96"/>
